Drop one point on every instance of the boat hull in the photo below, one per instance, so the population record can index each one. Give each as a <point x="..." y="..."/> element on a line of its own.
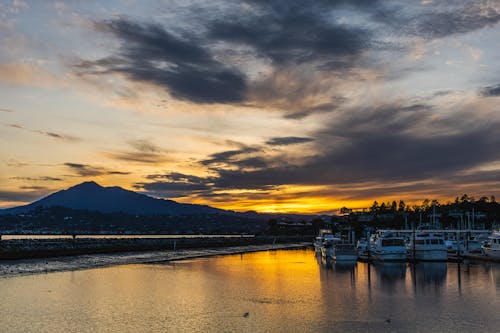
<point x="494" y="253"/>
<point x="345" y="257"/>
<point x="389" y="256"/>
<point x="429" y="255"/>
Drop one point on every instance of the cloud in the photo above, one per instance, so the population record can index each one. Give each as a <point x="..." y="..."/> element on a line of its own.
<point x="36" y="179"/>
<point x="292" y="32"/>
<point x="23" y="196"/>
<point x="459" y="19"/>
<point x="6" y="110"/>
<point x="86" y="170"/>
<point x="381" y="150"/>
<point x="491" y="91"/>
<point x="143" y="151"/>
<point x="180" y="64"/>
<point x="321" y="108"/>
<point x="172" y="185"/>
<point x="145" y="146"/>
<point x="228" y="156"/>
<point x="287" y="140"/>
<point x="50" y="134"/>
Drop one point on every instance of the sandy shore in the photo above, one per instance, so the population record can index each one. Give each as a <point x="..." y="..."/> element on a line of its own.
<point x="10" y="268"/>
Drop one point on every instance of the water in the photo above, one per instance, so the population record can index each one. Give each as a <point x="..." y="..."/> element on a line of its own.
<point x="273" y="291"/>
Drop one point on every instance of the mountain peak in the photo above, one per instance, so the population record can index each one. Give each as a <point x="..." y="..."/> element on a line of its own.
<point x="87" y="185"/>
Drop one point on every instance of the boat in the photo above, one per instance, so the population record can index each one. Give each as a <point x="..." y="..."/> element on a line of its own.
<point x="362" y="247"/>
<point x="386" y="246"/>
<point x="324" y="235"/>
<point x="491" y="248"/>
<point x="343" y="252"/>
<point x="427" y="246"/>
<point x="465" y="246"/>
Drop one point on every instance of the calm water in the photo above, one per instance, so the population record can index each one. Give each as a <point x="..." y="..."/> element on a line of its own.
<point x="281" y="291"/>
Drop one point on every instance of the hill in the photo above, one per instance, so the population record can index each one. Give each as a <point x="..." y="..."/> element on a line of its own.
<point x="94" y="197"/>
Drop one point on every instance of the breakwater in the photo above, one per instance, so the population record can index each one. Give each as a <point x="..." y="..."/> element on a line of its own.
<point x="51" y="247"/>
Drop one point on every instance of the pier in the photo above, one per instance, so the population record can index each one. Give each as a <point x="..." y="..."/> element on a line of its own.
<point x="42" y="246"/>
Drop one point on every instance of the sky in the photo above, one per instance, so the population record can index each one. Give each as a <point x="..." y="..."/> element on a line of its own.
<point x="273" y="106"/>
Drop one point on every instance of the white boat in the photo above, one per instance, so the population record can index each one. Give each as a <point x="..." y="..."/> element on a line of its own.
<point x="427" y="246"/>
<point x="492" y="247"/>
<point x="325" y="235"/>
<point x="343" y="252"/>
<point x="386" y="246"/>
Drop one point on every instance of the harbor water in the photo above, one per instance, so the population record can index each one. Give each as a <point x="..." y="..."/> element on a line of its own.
<point x="270" y="291"/>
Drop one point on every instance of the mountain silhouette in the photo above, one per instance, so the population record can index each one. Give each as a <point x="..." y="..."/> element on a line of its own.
<point x="92" y="196"/>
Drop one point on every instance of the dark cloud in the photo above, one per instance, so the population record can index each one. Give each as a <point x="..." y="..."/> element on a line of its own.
<point x="181" y="64"/>
<point x="118" y="173"/>
<point x="45" y="133"/>
<point x="491" y="91"/>
<point x="228" y="156"/>
<point x="145" y="146"/>
<point x="287" y="140"/>
<point x="178" y="177"/>
<point x="321" y="108"/>
<point x="172" y="185"/>
<point x="59" y="136"/>
<point x="466" y="16"/>
<point x="86" y="170"/>
<point x="37" y="179"/>
<point x="291" y="32"/>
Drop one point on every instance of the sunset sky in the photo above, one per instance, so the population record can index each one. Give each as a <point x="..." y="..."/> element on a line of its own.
<point x="296" y="106"/>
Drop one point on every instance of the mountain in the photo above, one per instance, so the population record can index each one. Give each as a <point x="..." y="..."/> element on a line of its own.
<point x="92" y="196"/>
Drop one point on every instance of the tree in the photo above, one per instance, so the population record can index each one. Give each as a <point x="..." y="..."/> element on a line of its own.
<point x="425" y="204"/>
<point x="374" y="207"/>
<point x="401" y="205"/>
<point x="484" y="199"/>
<point x="394" y="206"/>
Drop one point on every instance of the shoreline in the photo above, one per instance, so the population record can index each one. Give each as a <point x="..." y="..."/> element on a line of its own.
<point x="22" y="267"/>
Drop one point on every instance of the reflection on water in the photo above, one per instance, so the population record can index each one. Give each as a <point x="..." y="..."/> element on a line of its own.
<point x="275" y="291"/>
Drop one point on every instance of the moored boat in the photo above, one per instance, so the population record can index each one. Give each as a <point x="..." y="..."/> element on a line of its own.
<point x="324" y="236"/>
<point x="491" y="248"/>
<point x="427" y="246"/>
<point x="386" y="246"/>
<point x="343" y="252"/>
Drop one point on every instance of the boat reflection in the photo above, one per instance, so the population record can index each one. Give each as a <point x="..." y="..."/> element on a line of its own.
<point x="428" y="275"/>
<point x="495" y="276"/>
<point x="344" y="266"/>
<point x="390" y="271"/>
